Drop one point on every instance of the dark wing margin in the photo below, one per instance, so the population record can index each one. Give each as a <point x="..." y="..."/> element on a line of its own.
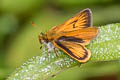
<point x="84" y="17"/>
<point x="67" y="50"/>
<point x="88" y="11"/>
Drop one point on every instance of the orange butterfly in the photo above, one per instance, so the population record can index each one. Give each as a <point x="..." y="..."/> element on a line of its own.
<point x="72" y="36"/>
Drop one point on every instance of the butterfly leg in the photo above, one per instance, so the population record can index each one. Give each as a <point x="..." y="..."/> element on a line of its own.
<point x="56" y="51"/>
<point x="44" y="50"/>
<point x="48" y="51"/>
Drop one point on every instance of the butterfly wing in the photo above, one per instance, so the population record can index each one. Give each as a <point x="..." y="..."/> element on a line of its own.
<point x="81" y="20"/>
<point x="76" y="51"/>
<point x="82" y="36"/>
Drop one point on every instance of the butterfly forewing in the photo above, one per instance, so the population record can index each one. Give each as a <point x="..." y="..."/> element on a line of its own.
<point x="81" y="20"/>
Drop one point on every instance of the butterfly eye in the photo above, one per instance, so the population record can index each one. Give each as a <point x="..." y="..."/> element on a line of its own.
<point x="40" y="39"/>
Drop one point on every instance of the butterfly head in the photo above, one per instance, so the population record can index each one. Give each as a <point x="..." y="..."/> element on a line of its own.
<point x="43" y="38"/>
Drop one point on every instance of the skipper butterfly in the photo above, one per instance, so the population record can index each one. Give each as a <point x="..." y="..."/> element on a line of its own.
<point x="72" y="36"/>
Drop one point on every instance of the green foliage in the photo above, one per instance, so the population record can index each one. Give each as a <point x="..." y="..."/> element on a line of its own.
<point x="106" y="47"/>
<point x="20" y="6"/>
<point x="19" y="40"/>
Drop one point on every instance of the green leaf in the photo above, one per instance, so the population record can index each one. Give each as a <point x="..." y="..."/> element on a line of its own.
<point x="105" y="47"/>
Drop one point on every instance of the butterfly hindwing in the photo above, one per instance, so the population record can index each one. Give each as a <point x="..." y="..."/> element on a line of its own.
<point x="76" y="51"/>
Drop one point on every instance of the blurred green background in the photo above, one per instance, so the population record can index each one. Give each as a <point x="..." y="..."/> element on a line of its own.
<point x="19" y="40"/>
